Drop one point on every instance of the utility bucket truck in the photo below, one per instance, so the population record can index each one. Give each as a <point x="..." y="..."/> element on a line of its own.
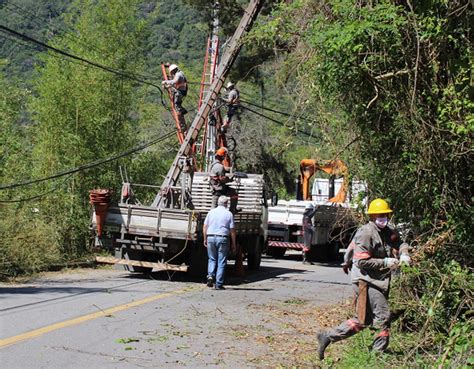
<point x="167" y="234"/>
<point x="334" y="221"/>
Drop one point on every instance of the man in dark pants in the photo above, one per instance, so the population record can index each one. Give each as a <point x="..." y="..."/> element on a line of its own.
<point x="375" y="247"/>
<point x="179" y="88"/>
<point x="233" y="104"/>
<point x="218" y="227"/>
<point x="308" y="231"/>
<point x="218" y="181"/>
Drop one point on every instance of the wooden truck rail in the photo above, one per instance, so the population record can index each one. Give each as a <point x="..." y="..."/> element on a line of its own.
<point x="168" y="223"/>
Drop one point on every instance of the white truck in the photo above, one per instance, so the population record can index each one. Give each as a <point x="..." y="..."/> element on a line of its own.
<point x="167" y="234"/>
<point x="334" y="223"/>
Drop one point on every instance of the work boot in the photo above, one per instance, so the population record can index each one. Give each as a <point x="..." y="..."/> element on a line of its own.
<point x="305" y="260"/>
<point x="323" y="341"/>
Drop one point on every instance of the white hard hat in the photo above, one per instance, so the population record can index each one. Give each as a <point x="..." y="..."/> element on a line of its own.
<point x="309" y="206"/>
<point x="229" y="85"/>
<point x="172" y="67"/>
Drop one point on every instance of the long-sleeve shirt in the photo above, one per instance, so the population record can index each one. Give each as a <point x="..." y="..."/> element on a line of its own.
<point x="308" y="217"/>
<point x="372" y="246"/>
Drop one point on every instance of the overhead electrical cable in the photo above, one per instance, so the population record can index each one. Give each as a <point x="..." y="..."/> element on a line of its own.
<point x="70" y="36"/>
<point x="275" y="111"/>
<point x="90" y="165"/>
<point x="55" y="30"/>
<point x="275" y="121"/>
<point x="75" y="57"/>
<point x="36" y="197"/>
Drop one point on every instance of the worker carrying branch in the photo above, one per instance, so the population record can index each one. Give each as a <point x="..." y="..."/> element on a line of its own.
<point x="179" y="88"/>
<point x="233" y="104"/>
<point x="219" y="181"/>
<point x="375" y="248"/>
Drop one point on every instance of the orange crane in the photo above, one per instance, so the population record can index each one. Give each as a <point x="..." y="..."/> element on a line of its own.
<point x="335" y="168"/>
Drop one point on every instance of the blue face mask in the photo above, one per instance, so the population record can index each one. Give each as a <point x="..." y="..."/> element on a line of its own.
<point x="381" y="222"/>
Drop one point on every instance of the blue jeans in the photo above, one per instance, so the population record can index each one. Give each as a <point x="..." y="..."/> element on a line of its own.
<point x="217" y="250"/>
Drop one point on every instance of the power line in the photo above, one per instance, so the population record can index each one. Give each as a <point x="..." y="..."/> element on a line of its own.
<point x="36" y="197"/>
<point x="34" y="17"/>
<point x="275" y="121"/>
<point x="276" y="111"/>
<point x="70" y="36"/>
<point x="89" y="165"/>
<point x="75" y="57"/>
<point x="32" y="47"/>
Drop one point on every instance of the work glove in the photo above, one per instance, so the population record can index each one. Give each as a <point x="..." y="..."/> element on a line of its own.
<point x="346" y="268"/>
<point x="405" y="259"/>
<point x="391" y="263"/>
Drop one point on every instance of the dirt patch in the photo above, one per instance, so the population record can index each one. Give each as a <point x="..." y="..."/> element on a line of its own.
<point x="289" y="333"/>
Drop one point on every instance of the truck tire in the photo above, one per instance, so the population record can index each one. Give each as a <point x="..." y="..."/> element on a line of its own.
<point x="255" y="258"/>
<point x="276" y="252"/>
<point x="333" y="251"/>
<point x="198" y="260"/>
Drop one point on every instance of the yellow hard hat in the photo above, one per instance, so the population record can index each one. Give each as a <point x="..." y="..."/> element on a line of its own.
<point x="379" y="206"/>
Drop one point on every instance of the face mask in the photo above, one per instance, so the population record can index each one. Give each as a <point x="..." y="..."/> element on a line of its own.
<point x="381" y="222"/>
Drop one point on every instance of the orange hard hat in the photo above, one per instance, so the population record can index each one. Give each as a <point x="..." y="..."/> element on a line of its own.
<point x="222" y="151"/>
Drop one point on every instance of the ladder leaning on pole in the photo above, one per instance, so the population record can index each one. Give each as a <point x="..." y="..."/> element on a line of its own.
<point x="170" y="192"/>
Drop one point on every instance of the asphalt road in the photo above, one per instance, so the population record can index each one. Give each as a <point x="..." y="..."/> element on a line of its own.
<point x="103" y="318"/>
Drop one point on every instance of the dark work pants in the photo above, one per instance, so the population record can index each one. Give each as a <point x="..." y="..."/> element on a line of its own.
<point x="227" y="191"/>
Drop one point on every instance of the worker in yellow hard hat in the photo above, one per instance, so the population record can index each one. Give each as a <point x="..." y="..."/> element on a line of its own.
<point x="376" y="251"/>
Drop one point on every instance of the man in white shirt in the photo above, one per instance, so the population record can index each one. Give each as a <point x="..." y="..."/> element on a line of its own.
<point x="218" y="228"/>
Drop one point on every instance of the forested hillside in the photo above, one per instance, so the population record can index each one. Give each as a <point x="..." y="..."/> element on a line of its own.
<point x="385" y="86"/>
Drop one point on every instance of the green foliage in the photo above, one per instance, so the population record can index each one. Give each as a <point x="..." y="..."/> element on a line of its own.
<point x="29" y="242"/>
<point x="390" y="85"/>
<point x="38" y="19"/>
<point x="13" y="145"/>
<point x="384" y="70"/>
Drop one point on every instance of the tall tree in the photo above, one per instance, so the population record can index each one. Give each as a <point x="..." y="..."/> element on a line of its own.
<point x="83" y="113"/>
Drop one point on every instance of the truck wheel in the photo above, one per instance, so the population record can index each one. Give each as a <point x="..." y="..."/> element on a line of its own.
<point x="198" y="260"/>
<point x="255" y="258"/>
<point x="276" y="252"/>
<point x="333" y="251"/>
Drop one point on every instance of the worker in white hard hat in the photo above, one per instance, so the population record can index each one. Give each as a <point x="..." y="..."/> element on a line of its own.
<point x="179" y="88"/>
<point x="232" y="102"/>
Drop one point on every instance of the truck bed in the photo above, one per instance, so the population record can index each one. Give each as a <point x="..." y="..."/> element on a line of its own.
<point x="146" y="221"/>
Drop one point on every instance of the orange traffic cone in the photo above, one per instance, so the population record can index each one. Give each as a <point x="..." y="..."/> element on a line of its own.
<point x="100" y="199"/>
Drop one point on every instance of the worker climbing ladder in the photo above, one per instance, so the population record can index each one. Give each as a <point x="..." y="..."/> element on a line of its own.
<point x="179" y="118"/>
<point x="171" y="194"/>
<point x="167" y="235"/>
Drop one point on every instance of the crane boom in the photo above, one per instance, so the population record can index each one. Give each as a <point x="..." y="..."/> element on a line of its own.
<point x="180" y="161"/>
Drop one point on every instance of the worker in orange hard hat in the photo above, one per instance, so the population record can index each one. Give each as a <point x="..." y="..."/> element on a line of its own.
<point x="179" y="88"/>
<point x="219" y="181"/>
<point x="376" y="251"/>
